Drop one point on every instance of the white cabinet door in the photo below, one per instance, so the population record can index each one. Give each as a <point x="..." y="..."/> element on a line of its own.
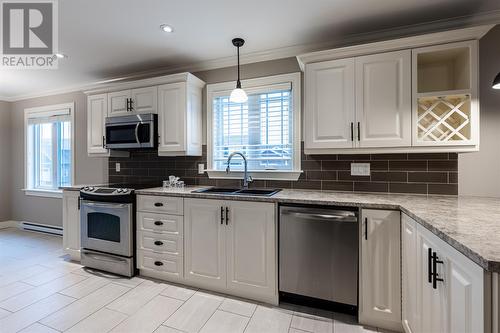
<point x="465" y="293"/>
<point x="329" y="104"/>
<point x="383" y="99"/>
<point x="97" y="110"/>
<point x="118" y="103"/>
<point x="71" y="224"/>
<point x="380" y="271"/>
<point x="145" y="100"/>
<point x="204" y="243"/>
<point x="172" y="117"/>
<point x="431" y="303"/>
<point x="251" y="251"/>
<point x="409" y="274"/>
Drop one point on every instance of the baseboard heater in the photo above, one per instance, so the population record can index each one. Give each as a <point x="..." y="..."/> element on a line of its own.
<point x="47" y="229"/>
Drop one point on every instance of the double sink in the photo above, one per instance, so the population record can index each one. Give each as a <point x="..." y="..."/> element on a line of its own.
<point x="237" y="191"/>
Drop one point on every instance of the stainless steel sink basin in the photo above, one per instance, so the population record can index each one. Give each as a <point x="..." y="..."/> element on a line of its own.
<point x="237" y="191"/>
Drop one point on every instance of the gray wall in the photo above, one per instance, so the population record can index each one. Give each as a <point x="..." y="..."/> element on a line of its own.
<point x="5" y="165"/>
<point x="479" y="173"/>
<point x="87" y="170"/>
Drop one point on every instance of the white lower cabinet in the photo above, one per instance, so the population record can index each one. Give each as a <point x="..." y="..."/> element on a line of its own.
<point x="205" y="242"/>
<point x="71" y="224"/>
<point x="230" y="246"/>
<point x="380" y="269"/>
<point x="446" y="291"/>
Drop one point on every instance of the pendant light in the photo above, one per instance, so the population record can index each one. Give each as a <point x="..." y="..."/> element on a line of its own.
<point x="496" y="82"/>
<point x="238" y="95"/>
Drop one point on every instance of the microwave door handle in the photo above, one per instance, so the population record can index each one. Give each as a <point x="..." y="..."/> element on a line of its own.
<point x="137" y="133"/>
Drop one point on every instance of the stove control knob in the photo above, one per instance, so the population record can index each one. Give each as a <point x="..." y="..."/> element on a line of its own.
<point x="91" y="188"/>
<point x="86" y="188"/>
<point x="120" y="190"/>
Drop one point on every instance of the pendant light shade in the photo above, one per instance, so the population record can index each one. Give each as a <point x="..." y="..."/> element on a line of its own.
<point x="238" y="95"/>
<point x="496" y="82"/>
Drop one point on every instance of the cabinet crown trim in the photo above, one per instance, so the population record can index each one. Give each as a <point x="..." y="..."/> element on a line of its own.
<point x="394" y="44"/>
<point x="112" y="85"/>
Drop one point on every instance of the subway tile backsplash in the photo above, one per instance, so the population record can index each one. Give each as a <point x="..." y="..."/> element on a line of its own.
<point x="421" y="173"/>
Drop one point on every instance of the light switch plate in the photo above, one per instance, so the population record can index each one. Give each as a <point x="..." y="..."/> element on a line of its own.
<point x="360" y="169"/>
<point x="117" y="167"/>
<point x="201" y="168"/>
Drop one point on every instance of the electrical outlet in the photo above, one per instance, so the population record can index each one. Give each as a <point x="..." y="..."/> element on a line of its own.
<point x="201" y="168"/>
<point x="117" y="167"/>
<point x="360" y="169"/>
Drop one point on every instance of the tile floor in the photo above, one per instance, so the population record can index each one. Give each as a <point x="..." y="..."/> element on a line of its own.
<point x="41" y="291"/>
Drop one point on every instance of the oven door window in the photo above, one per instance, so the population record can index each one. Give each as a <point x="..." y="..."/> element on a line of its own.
<point x="126" y="133"/>
<point x="103" y="226"/>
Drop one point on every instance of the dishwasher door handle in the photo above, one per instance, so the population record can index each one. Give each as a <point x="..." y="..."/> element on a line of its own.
<point x="320" y="216"/>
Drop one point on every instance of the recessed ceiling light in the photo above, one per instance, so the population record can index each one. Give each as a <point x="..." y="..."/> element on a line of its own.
<point x="61" y="55"/>
<point x="166" y="28"/>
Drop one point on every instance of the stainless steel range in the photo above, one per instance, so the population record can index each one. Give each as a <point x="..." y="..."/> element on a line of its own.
<point x="107" y="218"/>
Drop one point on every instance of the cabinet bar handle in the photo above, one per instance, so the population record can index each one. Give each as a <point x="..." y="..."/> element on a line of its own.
<point x="103" y="141"/>
<point x="158" y="263"/>
<point x="359" y="132"/>
<point x="158" y="243"/>
<point x="429" y="265"/>
<point x="366" y="228"/>
<point x="435" y="274"/>
<point x="227" y="215"/>
<point x="158" y="223"/>
<point x="352" y="131"/>
<point x="131" y="105"/>
<point x="221" y="215"/>
<point x="127" y="105"/>
<point x="158" y="204"/>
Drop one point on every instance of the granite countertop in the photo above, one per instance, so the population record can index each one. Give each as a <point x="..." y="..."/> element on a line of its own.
<point x="469" y="224"/>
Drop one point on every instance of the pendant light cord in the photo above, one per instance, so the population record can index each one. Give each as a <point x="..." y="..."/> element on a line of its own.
<point x="238" y="83"/>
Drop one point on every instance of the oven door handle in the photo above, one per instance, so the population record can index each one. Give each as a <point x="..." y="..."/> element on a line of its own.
<point x="103" y="257"/>
<point x="102" y="205"/>
<point x="137" y="132"/>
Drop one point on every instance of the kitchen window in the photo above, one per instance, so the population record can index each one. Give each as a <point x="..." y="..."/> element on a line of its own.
<point x="266" y="129"/>
<point x="49" y="149"/>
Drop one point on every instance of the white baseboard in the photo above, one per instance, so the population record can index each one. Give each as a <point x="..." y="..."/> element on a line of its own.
<point x="9" y="224"/>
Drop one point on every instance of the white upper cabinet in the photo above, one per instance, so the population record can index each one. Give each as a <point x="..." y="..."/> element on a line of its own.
<point x="133" y="101"/>
<point x="413" y="94"/>
<point x="144" y="100"/>
<point x="445" y="95"/>
<point x="97" y="110"/>
<point x="329" y="98"/>
<point x="383" y="99"/>
<point x="179" y="118"/>
<point x="119" y="103"/>
<point x="380" y="270"/>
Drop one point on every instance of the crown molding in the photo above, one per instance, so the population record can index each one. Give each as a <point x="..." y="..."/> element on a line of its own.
<point x="486" y="18"/>
<point x="443" y="37"/>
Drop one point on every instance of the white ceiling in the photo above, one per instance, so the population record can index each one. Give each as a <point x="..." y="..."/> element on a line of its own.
<point x="111" y="38"/>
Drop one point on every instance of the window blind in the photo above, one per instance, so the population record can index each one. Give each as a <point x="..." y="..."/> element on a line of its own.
<point x="260" y="128"/>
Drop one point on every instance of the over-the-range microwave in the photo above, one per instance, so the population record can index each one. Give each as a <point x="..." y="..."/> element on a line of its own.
<point x="132" y="132"/>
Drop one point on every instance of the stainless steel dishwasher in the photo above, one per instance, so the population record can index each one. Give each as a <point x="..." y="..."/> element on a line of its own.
<point x="318" y="256"/>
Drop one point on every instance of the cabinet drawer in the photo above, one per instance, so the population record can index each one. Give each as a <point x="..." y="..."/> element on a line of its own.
<point x="170" y="265"/>
<point x="160" y="204"/>
<point x="159" y="223"/>
<point x="160" y="243"/>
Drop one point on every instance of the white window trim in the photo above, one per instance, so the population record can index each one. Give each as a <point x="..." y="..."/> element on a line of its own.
<point x="48" y="110"/>
<point x="225" y="88"/>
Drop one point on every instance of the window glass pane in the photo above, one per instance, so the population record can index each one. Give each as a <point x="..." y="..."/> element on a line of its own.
<point x="64" y="153"/>
<point x="261" y="129"/>
<point x="45" y="156"/>
<point x="49" y="163"/>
